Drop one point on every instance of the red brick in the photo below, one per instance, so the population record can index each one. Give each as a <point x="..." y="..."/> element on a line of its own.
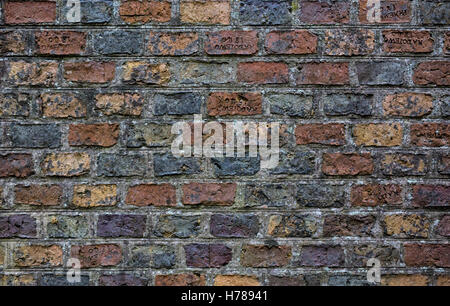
<point x="324" y="13"/>
<point x="323" y="74"/>
<point x="14" y="164"/>
<point x="209" y="193"/>
<point x="430" y="134"/>
<point x="375" y="195"/>
<point x="60" y="42"/>
<point x="30" y="12"/>
<point x="102" y="134"/>
<point x="40" y="195"/>
<point x="408" y="104"/>
<point x="291" y="42"/>
<point x="89" y="72"/>
<point x="427" y="255"/>
<point x="431" y="196"/>
<point x="151" y="194"/>
<point x="263" y="73"/>
<point x="432" y="73"/>
<point x="332" y="134"/>
<point x="134" y="11"/>
<point x="231" y="42"/>
<point x="407" y="41"/>
<point x="392" y="11"/>
<point x="347" y="164"/>
<point x="443" y="227"/>
<point x="97" y="255"/>
<point x="233" y="103"/>
<point x="344" y="225"/>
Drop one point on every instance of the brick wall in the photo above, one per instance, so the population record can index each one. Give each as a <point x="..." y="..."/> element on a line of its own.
<point x="86" y="171"/>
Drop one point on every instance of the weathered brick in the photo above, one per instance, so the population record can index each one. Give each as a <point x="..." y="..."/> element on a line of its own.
<point x="29" y="12"/>
<point x="154" y="256"/>
<point x="444" y="164"/>
<point x="12" y="41"/>
<point x="16" y="164"/>
<point x="66" y="164"/>
<point x="207" y="255"/>
<point x="209" y="193"/>
<point x="125" y="104"/>
<point x="231" y="42"/>
<point x="378" y="134"/>
<point x="97" y="255"/>
<point x="347" y="164"/>
<point x="443" y="280"/>
<point x="14" y="105"/>
<point x="112" y="164"/>
<point x="320" y="195"/>
<point x="404" y="164"/>
<point x="321" y="256"/>
<point x="264" y="256"/>
<point x="236" y="280"/>
<point x="322" y="74"/>
<point x="133" y="11"/>
<point x="117" y="42"/>
<point x="121" y="280"/>
<point x="348" y="225"/>
<point x="170" y="226"/>
<point x="295" y="162"/>
<point x="169" y="43"/>
<point x="180" y="103"/>
<point x="375" y="195"/>
<point x="236" y="165"/>
<point x="406" y="226"/>
<point x="389" y="255"/>
<point x="18" y="226"/>
<point x="63" y="105"/>
<point x="167" y="164"/>
<point x="101" y="134"/>
<point x="86" y="196"/>
<point x="295" y="280"/>
<point x="327" y="134"/>
<point x="89" y="72"/>
<point x="186" y="279"/>
<point x="292" y="226"/>
<point x="348" y="104"/>
<point x="407" y="41"/>
<point x="430" y="134"/>
<point x="234" y="226"/>
<point x="40" y="195"/>
<point x="206" y="12"/>
<point x="60" y="42"/>
<point x="205" y="73"/>
<point x="145" y="73"/>
<point x="38" y="256"/>
<point x="434" y="12"/>
<point x="121" y="226"/>
<point x="263" y="73"/>
<point x="233" y="103"/>
<point x="324" y="12"/>
<point x="431" y="196"/>
<point x="91" y="12"/>
<point x="61" y="226"/>
<point x="291" y="105"/>
<point x="2" y="255"/>
<point x="349" y="42"/>
<point x="22" y="73"/>
<point x="447" y="43"/>
<point x="265" y="12"/>
<point x="405" y="280"/>
<point x="443" y="227"/>
<point x="18" y="280"/>
<point x="391" y="11"/>
<point x="268" y="195"/>
<point x="381" y="73"/>
<point x="35" y="136"/>
<point x="432" y="73"/>
<point x="291" y="42"/>
<point x="408" y="104"/>
<point x="149" y="135"/>
<point x="151" y="194"/>
<point x="427" y="255"/>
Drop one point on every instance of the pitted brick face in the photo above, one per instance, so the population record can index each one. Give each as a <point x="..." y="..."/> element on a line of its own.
<point x="89" y="116"/>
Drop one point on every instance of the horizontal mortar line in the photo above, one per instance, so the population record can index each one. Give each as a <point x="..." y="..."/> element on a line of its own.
<point x="231" y="88"/>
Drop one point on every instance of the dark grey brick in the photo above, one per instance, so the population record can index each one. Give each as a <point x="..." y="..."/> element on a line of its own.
<point x="348" y="104"/>
<point x="35" y="136"/>
<point x="167" y="164"/>
<point x="109" y="164"/>
<point x="236" y="165"/>
<point x="381" y="73"/>
<point x="434" y="12"/>
<point x="234" y="225"/>
<point x="291" y="105"/>
<point x="170" y="226"/>
<point x="121" y="225"/>
<point x="68" y="227"/>
<point x="264" y="12"/>
<point x="177" y="104"/>
<point x="298" y="162"/>
<point x="117" y="42"/>
<point x="320" y="195"/>
<point x="92" y="11"/>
